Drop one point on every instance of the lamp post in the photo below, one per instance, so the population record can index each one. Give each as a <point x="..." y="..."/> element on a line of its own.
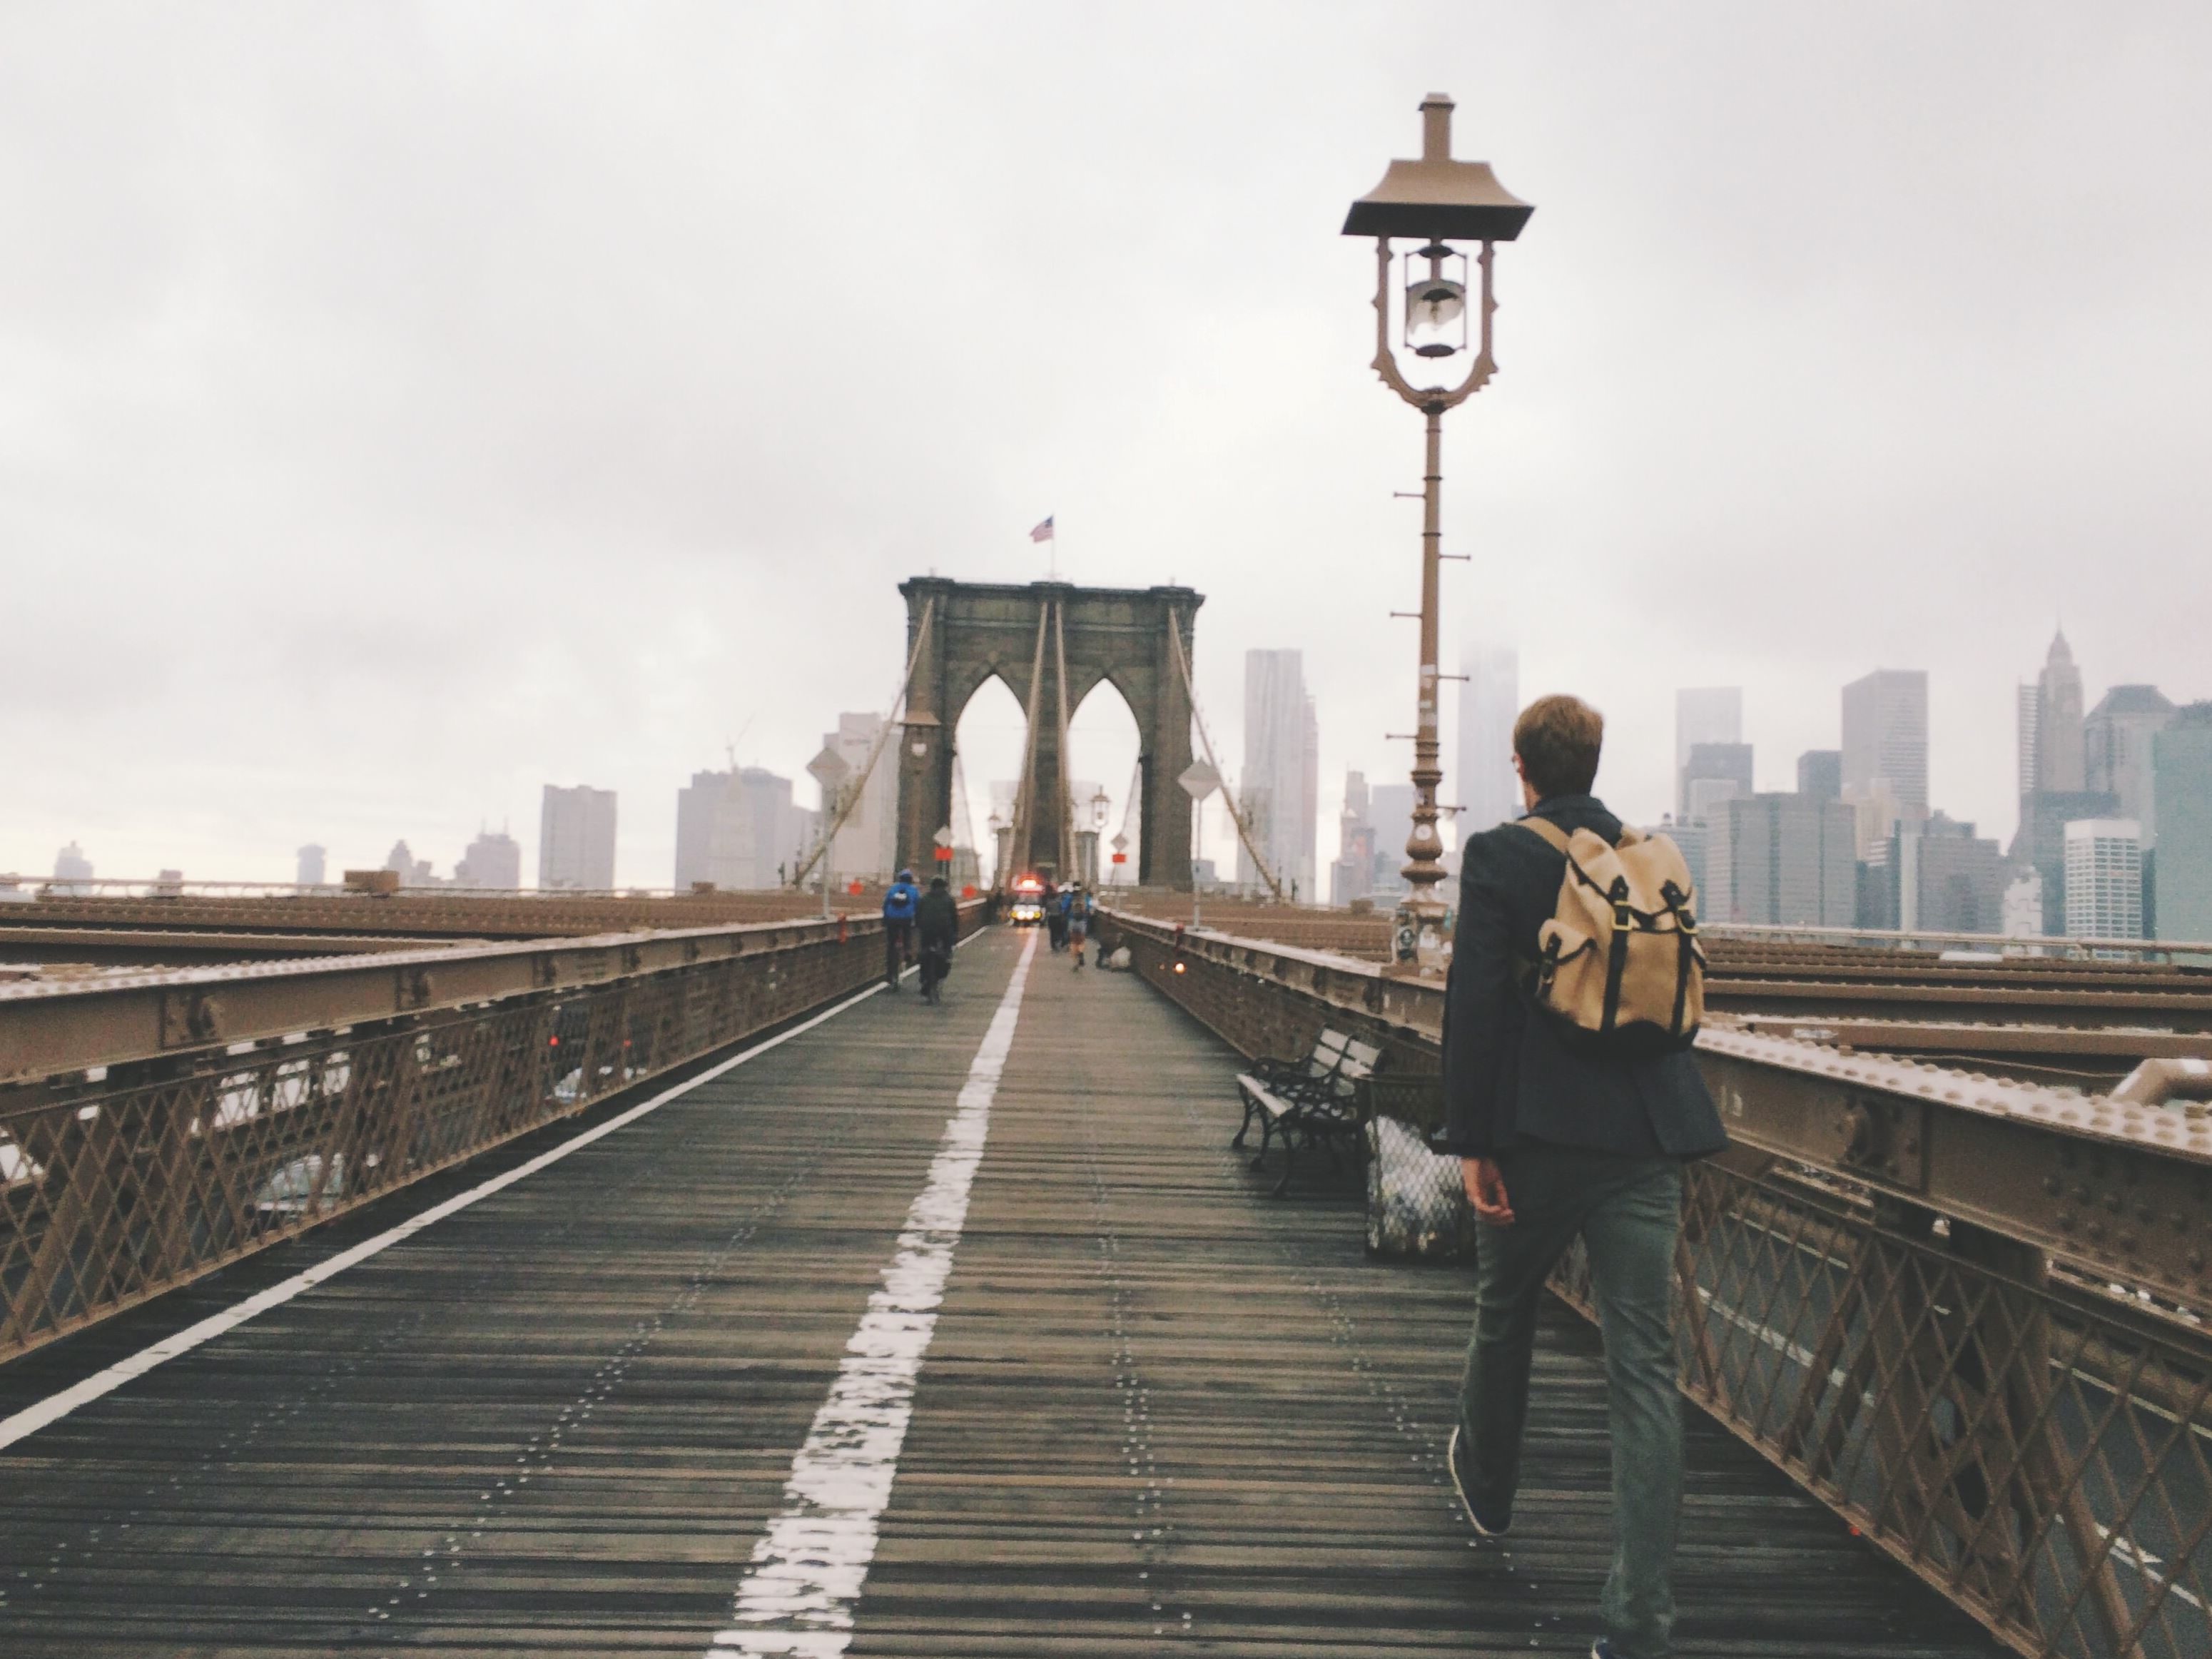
<point x="1437" y="201"/>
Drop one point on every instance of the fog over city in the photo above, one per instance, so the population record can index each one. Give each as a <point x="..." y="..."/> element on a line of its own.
<point x="403" y="407"/>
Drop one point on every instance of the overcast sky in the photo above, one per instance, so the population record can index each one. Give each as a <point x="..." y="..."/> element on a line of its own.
<point x="402" y="407"/>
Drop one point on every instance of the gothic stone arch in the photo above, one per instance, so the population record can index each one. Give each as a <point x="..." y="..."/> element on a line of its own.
<point x="1119" y="634"/>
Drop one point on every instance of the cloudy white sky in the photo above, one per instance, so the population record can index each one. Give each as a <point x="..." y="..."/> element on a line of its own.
<point x="402" y="407"/>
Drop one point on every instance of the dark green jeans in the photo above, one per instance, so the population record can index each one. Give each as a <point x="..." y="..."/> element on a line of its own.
<point x="1628" y="1212"/>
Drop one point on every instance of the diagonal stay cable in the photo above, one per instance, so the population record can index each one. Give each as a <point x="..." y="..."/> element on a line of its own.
<point x="858" y="787"/>
<point x="1205" y="740"/>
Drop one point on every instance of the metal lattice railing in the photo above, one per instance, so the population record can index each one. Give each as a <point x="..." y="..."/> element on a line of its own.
<point x="118" y="1181"/>
<point x="1969" y="1315"/>
<point x="2038" y="1451"/>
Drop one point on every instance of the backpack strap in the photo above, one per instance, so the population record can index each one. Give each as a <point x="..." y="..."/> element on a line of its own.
<point x="1544" y="831"/>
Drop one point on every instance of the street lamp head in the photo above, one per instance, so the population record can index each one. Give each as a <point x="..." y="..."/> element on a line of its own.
<point x="1436" y="198"/>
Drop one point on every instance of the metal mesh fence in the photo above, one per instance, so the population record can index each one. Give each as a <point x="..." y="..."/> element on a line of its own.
<point x="2039" y="1452"/>
<point x="128" y="1184"/>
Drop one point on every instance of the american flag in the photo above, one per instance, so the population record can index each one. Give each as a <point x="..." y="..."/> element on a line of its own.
<point x="1043" y="531"/>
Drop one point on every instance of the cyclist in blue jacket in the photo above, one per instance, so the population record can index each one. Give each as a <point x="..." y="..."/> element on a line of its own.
<point x="899" y="903"/>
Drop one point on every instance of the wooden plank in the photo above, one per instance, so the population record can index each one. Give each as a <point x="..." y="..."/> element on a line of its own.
<point x="558" y="1422"/>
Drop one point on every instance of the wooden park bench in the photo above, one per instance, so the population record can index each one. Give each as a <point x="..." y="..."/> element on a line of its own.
<point x="1315" y="1103"/>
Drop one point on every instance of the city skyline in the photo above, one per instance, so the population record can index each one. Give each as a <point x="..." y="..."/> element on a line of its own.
<point x="1690" y="413"/>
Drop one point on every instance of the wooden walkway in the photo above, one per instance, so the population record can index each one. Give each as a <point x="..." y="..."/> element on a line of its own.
<point x="1160" y="1412"/>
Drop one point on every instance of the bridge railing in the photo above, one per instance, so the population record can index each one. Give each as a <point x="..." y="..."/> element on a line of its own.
<point x="1967" y="1313"/>
<point x="155" y="1126"/>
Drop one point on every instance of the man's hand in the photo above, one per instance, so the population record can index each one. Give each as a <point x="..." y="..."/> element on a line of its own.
<point x="1485" y="1190"/>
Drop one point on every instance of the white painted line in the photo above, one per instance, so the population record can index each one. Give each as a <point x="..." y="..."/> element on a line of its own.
<point x="55" y="1407"/>
<point x="798" y="1596"/>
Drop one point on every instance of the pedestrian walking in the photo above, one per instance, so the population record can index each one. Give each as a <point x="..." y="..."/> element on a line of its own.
<point x="1571" y="1097"/>
<point x="1055" y="915"/>
<point x="937" y="929"/>
<point x="1078" y="923"/>
<point x="899" y="899"/>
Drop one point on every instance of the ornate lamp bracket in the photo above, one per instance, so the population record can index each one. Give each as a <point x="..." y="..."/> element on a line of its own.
<point x="1432" y="400"/>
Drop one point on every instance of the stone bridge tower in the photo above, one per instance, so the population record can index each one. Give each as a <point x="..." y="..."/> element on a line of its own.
<point x="1020" y="633"/>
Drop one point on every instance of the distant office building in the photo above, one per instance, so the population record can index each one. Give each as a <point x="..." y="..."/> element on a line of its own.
<point x="1781" y="859"/>
<point x="1712" y="714"/>
<point x="867" y="844"/>
<point x="775" y="837"/>
<point x="1935" y="878"/>
<point x="2104" y="879"/>
<point x="697" y="805"/>
<point x="494" y="861"/>
<point x="2051" y="755"/>
<point x="1278" y="795"/>
<point x="2041" y="843"/>
<point x="2116" y="750"/>
<point x="1820" y="773"/>
<point x="71" y="866"/>
<point x="2182" y="761"/>
<point x="2023" y="905"/>
<point x="576" y="839"/>
<point x="1715" y="772"/>
<point x="1693" y="839"/>
<point x="1390" y="810"/>
<point x="312" y="865"/>
<point x="1354" y="870"/>
<point x="1885" y="752"/>
<point x="741" y="830"/>
<point x="1706" y="795"/>
<point x="411" y="870"/>
<point x="1487" y="790"/>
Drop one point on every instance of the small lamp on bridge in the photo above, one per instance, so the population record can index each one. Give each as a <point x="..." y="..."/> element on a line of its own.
<point x="1437" y="201"/>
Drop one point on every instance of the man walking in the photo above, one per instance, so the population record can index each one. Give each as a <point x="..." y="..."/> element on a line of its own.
<point x="899" y="899"/>
<point x="1559" y="1138"/>
<point x="937" y="926"/>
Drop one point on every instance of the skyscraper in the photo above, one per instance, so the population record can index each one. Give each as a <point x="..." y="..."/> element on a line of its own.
<point x="2116" y="750"/>
<point x="312" y="867"/>
<point x="2182" y="762"/>
<point x="1279" y="806"/>
<point x="494" y="861"/>
<point x="2057" y="757"/>
<point x="1309" y="807"/>
<point x="1936" y="877"/>
<point x="2027" y="714"/>
<point x="1784" y="859"/>
<point x="1390" y="810"/>
<point x="868" y="843"/>
<point x="1884" y="766"/>
<point x="1712" y="714"/>
<point x="1353" y="875"/>
<point x="1820" y="773"/>
<point x="1715" y="772"/>
<point x="71" y="866"/>
<point x="697" y="805"/>
<point x="1485" y="789"/>
<point x="576" y="838"/>
<point x="2104" y="879"/>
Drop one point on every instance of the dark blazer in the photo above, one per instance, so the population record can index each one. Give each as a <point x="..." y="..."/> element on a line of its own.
<point x="1508" y="1078"/>
<point x="937" y="917"/>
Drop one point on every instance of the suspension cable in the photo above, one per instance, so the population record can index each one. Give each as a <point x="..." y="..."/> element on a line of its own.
<point x="855" y="791"/>
<point x="1017" y="850"/>
<point x="1066" y="806"/>
<point x="1205" y="739"/>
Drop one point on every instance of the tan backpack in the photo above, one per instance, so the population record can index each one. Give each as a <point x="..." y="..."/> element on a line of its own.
<point x="1618" y="963"/>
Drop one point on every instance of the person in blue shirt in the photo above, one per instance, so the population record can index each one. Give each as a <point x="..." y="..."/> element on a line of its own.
<point x="899" y="903"/>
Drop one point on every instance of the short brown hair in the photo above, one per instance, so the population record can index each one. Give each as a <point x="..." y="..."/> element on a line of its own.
<point x="1557" y="738"/>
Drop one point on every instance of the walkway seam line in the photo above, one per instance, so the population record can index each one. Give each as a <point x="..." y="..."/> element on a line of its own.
<point x="55" y="1407"/>
<point x="797" y="1598"/>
